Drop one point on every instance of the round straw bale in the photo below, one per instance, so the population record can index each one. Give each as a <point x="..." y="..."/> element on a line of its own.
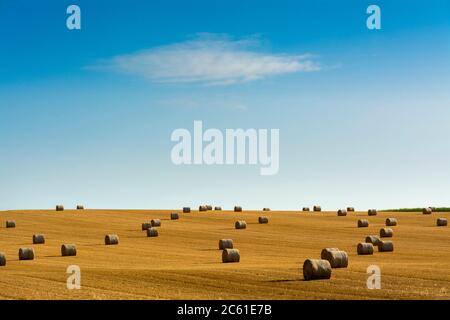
<point x="218" y="208"/>
<point x="237" y="209"/>
<point x="427" y="210"/>
<point x="208" y="207"/>
<point x="146" y="225"/>
<point x="363" y="223"/>
<point x="325" y="252"/>
<point x="80" y="207"/>
<point x="337" y="258"/>
<point x="385" y="246"/>
<point x="372" y="212"/>
<point x="375" y="240"/>
<point x="202" y="208"/>
<point x="316" y="269"/>
<point x="10" y="224"/>
<point x="38" y="239"/>
<point x="111" y="239"/>
<point x="225" y="244"/>
<point x="390" y="222"/>
<point x="263" y="220"/>
<point x="174" y="216"/>
<point x="386" y="233"/>
<point x="305" y="209"/>
<point x="350" y="209"/>
<point x="186" y="209"/>
<point x="59" y="208"/>
<point x="230" y="255"/>
<point x="266" y="209"/>
<point x="26" y="254"/>
<point x="2" y="259"/>
<point x="152" y="232"/>
<point x="240" y="224"/>
<point x="317" y="208"/>
<point x="341" y="213"/>
<point x="156" y="223"/>
<point x="68" y="250"/>
<point x="365" y="248"/>
<point x="441" y="222"/>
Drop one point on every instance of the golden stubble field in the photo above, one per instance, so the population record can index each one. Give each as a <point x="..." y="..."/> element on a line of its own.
<point x="184" y="261"/>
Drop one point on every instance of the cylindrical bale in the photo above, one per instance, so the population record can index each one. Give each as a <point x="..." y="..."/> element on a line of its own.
<point x="337" y="259"/>
<point x="152" y="232"/>
<point x="365" y="248"/>
<point x="317" y="208"/>
<point x="174" y="216"/>
<point x="305" y="209"/>
<point x="208" y="207"/>
<point x="427" y="210"/>
<point x="2" y="259"/>
<point x="341" y="213"/>
<point x="230" y="255"/>
<point x="240" y="224"/>
<point x="218" y="208"/>
<point x="111" y="239"/>
<point x="26" y="254"/>
<point x="266" y="209"/>
<point x="146" y="225"/>
<point x="237" y="209"/>
<point x="186" y="209"/>
<point x="59" y="208"/>
<point x="263" y="220"/>
<point x="441" y="222"/>
<point x="363" y="223"/>
<point x="325" y="252"/>
<point x="385" y="246"/>
<point x="202" y="208"/>
<point x="314" y="269"/>
<point x="68" y="250"/>
<point x="225" y="244"/>
<point x="372" y="212"/>
<point x="386" y="233"/>
<point x="350" y="209"/>
<point x="390" y="222"/>
<point x="38" y="239"/>
<point x="80" y="207"/>
<point x="156" y="223"/>
<point x="375" y="240"/>
<point x="10" y="224"/>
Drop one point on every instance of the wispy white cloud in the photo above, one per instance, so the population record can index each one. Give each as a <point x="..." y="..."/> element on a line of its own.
<point x="209" y="59"/>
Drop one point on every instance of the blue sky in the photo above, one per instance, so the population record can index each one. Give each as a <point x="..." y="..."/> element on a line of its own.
<point x="363" y="114"/>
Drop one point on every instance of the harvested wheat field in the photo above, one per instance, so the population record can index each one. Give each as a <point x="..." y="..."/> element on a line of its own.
<point x="184" y="261"/>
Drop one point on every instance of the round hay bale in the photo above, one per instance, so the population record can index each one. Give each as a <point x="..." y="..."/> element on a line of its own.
<point x="317" y="208"/>
<point x="2" y="259"/>
<point x="208" y="207"/>
<point x="156" y="223"/>
<point x="363" y="223"/>
<point x="225" y="244"/>
<point x="218" y="208"/>
<point x="266" y="209"/>
<point x="230" y="255"/>
<point x="80" y="207"/>
<point x="146" y="226"/>
<point x="325" y="252"/>
<point x="68" y="250"/>
<point x="111" y="239"/>
<point x="386" y="233"/>
<point x="314" y="269"/>
<point x="350" y="209"/>
<point x="427" y="210"/>
<point x="240" y="224"/>
<point x="441" y="222"/>
<point x="385" y="246"/>
<point x="372" y="212"/>
<point x="305" y="209"/>
<point x="237" y="209"/>
<point x="59" y="208"/>
<point x="364" y="248"/>
<point x="390" y="222"/>
<point x="38" y="239"/>
<point x="186" y="210"/>
<point x="26" y="254"/>
<point x="336" y="258"/>
<point x="10" y="224"/>
<point x="375" y="240"/>
<point x="341" y="213"/>
<point x="152" y="232"/>
<point x="202" y="208"/>
<point x="174" y="216"/>
<point x="263" y="220"/>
